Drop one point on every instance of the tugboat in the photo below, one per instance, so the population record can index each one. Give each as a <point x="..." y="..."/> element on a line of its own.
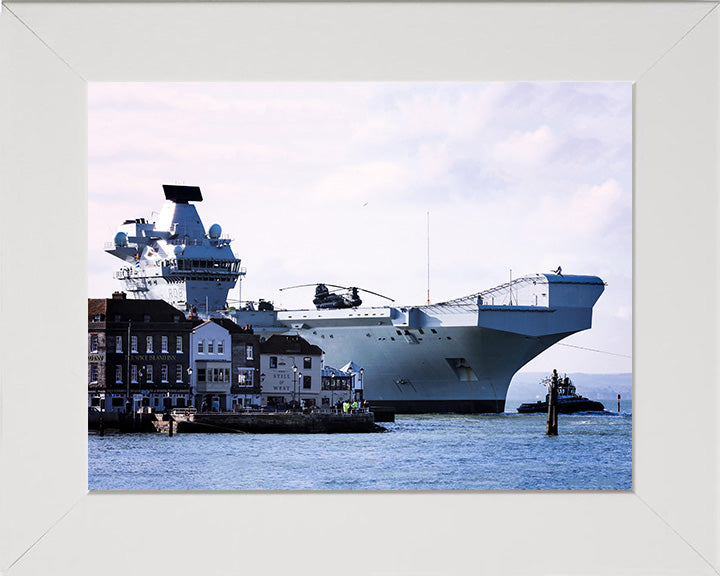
<point x="568" y="400"/>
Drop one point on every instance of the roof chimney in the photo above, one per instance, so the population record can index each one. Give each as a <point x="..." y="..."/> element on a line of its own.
<point x="119" y="296"/>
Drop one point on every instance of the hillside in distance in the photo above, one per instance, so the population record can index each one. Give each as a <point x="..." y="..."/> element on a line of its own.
<point x="526" y="385"/>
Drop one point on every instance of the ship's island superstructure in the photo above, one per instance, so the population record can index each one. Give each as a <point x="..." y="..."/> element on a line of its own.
<point x="454" y="356"/>
<point x="173" y="258"/>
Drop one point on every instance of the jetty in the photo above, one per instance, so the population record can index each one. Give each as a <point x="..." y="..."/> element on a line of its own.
<point x="245" y="422"/>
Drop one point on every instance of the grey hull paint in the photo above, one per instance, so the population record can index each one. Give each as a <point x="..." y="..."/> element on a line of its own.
<point x="423" y="376"/>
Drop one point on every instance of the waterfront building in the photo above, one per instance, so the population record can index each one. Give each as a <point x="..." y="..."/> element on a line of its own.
<point x="336" y="386"/>
<point x="138" y="354"/>
<point x="245" y="388"/>
<point x="211" y="365"/>
<point x="291" y="371"/>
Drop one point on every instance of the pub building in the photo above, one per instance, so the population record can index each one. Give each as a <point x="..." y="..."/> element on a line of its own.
<point x="138" y="350"/>
<point x="290" y="371"/>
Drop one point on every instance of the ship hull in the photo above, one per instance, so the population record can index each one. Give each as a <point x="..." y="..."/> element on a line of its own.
<point x="457" y="369"/>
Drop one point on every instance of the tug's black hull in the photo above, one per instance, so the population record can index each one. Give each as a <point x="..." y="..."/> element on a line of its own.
<point x="564" y="406"/>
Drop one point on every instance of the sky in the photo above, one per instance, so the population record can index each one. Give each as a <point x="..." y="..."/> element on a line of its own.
<point x="336" y="183"/>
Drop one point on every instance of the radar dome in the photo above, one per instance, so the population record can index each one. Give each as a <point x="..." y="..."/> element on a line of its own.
<point x="121" y="239"/>
<point x="215" y="231"/>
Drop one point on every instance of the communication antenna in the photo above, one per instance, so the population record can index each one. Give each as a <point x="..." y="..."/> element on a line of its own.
<point x="428" y="258"/>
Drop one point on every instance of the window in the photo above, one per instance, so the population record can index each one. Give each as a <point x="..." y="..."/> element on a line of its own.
<point x="133" y="344"/>
<point x="97" y="318"/>
<point x="307" y="362"/>
<point x="149" y="373"/>
<point x="178" y="343"/>
<point x="146" y="317"/>
<point x="201" y="347"/>
<point x="93" y="343"/>
<point x="178" y="373"/>
<point x="201" y="375"/>
<point x="118" y="374"/>
<point x="164" y="344"/>
<point x="307" y="382"/>
<point x="249" y="352"/>
<point x="164" y="373"/>
<point x="149" y="343"/>
<point x="93" y="372"/>
<point x="118" y="343"/>
<point x="117" y="402"/>
<point x="117" y="317"/>
<point x="273" y="361"/>
<point x="221" y="346"/>
<point x="210" y="346"/>
<point x="133" y="373"/>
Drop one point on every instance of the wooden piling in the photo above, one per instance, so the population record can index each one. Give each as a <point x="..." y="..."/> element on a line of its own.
<point x="552" y="427"/>
<point x="170" y="426"/>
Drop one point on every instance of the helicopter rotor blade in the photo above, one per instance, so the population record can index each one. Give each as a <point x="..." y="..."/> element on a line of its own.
<point x="376" y="294"/>
<point x="298" y="286"/>
<point x="314" y="284"/>
<point x="337" y="287"/>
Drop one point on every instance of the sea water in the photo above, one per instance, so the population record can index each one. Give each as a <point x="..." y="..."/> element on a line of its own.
<point x="593" y="451"/>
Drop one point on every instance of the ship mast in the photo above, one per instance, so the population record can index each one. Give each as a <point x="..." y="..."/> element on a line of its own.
<point x="428" y="258"/>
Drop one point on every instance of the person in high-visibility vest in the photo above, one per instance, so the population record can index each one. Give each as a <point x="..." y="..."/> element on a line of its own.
<point x="346" y="406"/>
<point x="354" y="405"/>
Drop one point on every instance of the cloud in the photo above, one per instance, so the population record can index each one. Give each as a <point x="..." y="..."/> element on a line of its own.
<point x="527" y="149"/>
<point x="514" y="175"/>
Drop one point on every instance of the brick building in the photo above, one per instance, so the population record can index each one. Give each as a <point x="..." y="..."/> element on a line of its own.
<point x="140" y="346"/>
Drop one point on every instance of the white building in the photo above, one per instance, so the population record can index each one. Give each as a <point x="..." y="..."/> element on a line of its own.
<point x="210" y="361"/>
<point x="291" y="371"/>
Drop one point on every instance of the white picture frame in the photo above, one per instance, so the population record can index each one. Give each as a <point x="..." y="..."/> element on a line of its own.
<point x="49" y="523"/>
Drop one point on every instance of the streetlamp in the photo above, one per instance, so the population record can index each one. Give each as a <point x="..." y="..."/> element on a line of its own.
<point x="259" y="390"/>
<point x="190" y="384"/>
<point x="350" y="389"/>
<point x="332" y="389"/>
<point x="127" y="375"/>
<point x="299" y="384"/>
<point x="294" y="380"/>
<point x="362" y="390"/>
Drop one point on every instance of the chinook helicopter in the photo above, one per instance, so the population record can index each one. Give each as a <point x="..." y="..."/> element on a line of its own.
<point x="326" y="299"/>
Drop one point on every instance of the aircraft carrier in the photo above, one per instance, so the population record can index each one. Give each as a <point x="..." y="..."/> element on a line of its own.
<point x="454" y="356"/>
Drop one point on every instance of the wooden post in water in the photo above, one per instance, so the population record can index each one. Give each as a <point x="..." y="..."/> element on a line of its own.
<point x="552" y="428"/>
<point x="618" y="403"/>
<point x="170" y="427"/>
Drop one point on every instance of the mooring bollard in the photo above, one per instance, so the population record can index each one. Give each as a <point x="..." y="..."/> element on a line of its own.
<point x="552" y="428"/>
